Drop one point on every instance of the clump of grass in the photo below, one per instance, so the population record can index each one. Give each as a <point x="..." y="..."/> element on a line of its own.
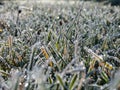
<point x="59" y="47"/>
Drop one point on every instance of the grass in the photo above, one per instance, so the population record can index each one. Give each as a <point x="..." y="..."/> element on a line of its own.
<point x="59" y="46"/>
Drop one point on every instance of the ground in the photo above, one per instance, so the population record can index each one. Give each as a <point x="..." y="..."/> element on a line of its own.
<point x="59" y="45"/>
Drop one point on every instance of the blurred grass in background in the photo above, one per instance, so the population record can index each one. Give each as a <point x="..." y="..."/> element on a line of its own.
<point x="60" y="46"/>
<point x="112" y="2"/>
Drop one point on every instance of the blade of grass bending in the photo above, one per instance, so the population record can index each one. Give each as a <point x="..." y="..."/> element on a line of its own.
<point x="93" y="54"/>
<point x="44" y="52"/>
<point x="57" y="53"/>
<point x="72" y="83"/>
<point x="98" y="58"/>
<point x="46" y="55"/>
<point x="60" y="81"/>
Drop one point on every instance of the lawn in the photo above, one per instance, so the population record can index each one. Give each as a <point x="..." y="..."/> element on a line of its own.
<point x="59" y="45"/>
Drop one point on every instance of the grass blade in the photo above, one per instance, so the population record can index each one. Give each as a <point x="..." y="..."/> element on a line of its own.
<point x="60" y="81"/>
<point x="72" y="83"/>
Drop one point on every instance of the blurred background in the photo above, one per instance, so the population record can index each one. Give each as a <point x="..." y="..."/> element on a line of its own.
<point x="112" y="2"/>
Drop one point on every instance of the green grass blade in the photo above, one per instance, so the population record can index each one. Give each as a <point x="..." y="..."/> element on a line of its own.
<point x="72" y="83"/>
<point x="60" y="80"/>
